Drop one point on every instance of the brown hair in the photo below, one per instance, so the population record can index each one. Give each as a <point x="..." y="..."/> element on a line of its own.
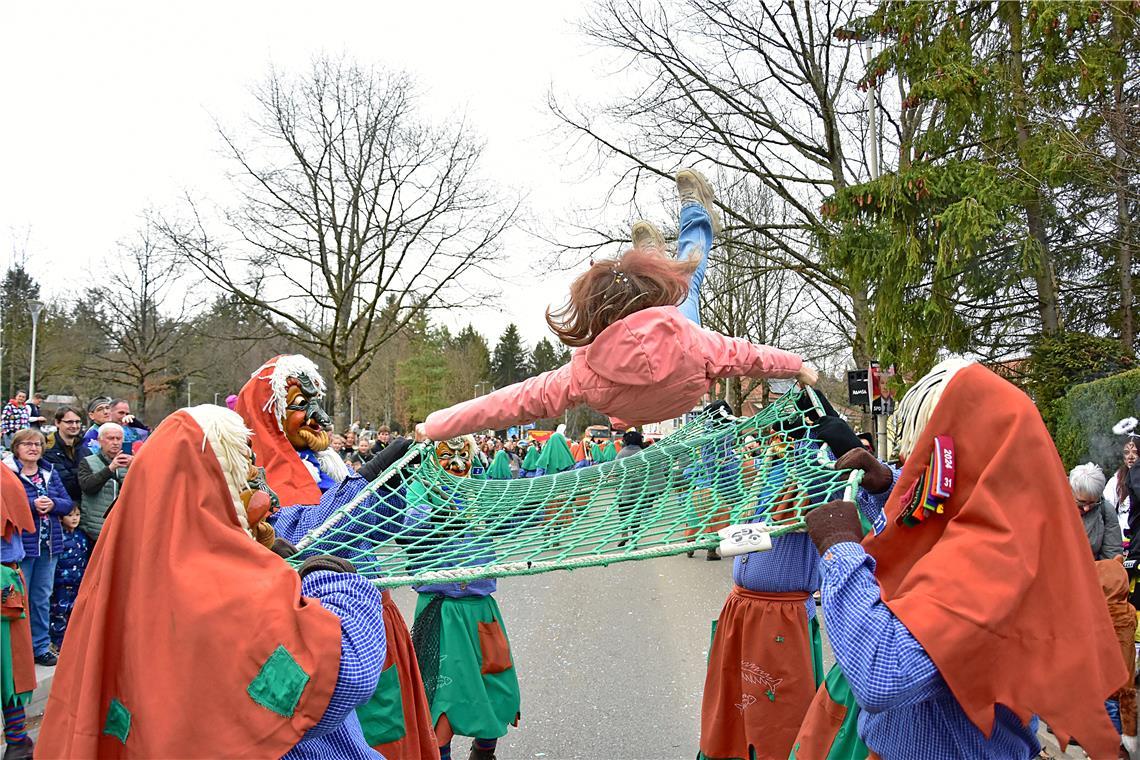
<point x="612" y="289"/>
<point x="1122" y="472"/>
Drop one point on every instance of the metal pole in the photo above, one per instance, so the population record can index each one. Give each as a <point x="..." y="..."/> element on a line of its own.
<point x="875" y="169"/>
<point x="188" y="384"/>
<point x="34" y="307"/>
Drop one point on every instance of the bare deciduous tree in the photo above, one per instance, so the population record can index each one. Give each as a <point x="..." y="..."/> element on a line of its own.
<point x="356" y="215"/>
<point x="760" y="91"/>
<point x="142" y="312"/>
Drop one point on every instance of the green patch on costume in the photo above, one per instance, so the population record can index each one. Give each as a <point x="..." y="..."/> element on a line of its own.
<point x="279" y="685"/>
<point x="9" y="697"/>
<point x="476" y="703"/>
<point x="118" y="723"/>
<point x="382" y="716"/>
<point x="816" y="650"/>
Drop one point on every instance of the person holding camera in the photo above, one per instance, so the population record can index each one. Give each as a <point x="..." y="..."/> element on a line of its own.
<point x="101" y="477"/>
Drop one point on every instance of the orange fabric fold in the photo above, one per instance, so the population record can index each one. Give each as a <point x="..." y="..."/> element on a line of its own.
<point x="1000" y="589"/>
<point x="284" y="470"/>
<point x="759" y="682"/>
<point x="177" y="614"/>
<point x="419" y="740"/>
<point x="16" y="513"/>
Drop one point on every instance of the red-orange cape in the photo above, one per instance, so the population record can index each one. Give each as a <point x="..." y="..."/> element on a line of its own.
<point x="1000" y="589"/>
<point x="177" y="613"/>
<point x="16" y="514"/>
<point x="286" y="474"/>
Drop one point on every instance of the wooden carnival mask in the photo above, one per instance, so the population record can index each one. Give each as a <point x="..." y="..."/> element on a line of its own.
<point x="456" y="455"/>
<point x="305" y="419"/>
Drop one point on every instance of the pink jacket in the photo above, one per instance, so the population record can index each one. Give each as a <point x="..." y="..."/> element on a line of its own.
<point x="653" y="365"/>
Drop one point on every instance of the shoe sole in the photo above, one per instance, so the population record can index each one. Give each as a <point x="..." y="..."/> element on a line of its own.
<point x="704" y="194"/>
<point x="644" y="229"/>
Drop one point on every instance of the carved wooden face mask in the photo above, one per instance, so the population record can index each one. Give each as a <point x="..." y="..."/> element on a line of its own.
<point x="456" y="455"/>
<point x="305" y="420"/>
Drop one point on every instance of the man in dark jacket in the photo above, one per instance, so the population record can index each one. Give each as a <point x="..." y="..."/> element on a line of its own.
<point x="67" y="451"/>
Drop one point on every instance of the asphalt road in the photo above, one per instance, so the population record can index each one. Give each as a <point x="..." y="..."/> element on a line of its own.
<point x="611" y="661"/>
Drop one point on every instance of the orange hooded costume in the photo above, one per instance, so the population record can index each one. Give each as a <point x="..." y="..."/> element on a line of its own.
<point x="180" y="603"/>
<point x="1114" y="583"/>
<point x="16" y="518"/>
<point x="261" y="403"/>
<point x="400" y="729"/>
<point x="999" y="588"/>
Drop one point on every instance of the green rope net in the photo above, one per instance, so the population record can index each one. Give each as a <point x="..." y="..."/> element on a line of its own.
<point x="418" y="524"/>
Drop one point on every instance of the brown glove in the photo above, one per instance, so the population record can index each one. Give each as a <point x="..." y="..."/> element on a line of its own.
<point x="283" y="548"/>
<point x="877" y="476"/>
<point x="833" y="523"/>
<point x="326" y="562"/>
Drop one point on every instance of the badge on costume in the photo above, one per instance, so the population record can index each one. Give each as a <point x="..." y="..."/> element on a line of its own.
<point x="929" y="492"/>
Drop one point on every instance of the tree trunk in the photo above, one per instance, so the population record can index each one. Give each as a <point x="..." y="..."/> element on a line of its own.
<point x="1117" y="124"/>
<point x="1044" y="274"/>
<point x="337" y="396"/>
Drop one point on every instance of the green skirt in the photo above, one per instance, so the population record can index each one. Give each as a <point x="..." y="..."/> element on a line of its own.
<point x="9" y="697"/>
<point x="477" y="687"/>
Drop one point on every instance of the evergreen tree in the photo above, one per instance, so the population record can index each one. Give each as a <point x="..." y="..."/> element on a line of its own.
<point x="544" y="357"/>
<point x="16" y="290"/>
<point x="422" y="375"/>
<point x="509" y="362"/>
<point x="973" y="242"/>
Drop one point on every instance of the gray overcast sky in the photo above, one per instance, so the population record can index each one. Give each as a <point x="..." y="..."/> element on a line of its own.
<point x="111" y="107"/>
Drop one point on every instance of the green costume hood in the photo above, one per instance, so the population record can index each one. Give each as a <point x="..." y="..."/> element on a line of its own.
<point x="609" y="453"/>
<point x="532" y="458"/>
<point x="500" y="468"/>
<point x="556" y="456"/>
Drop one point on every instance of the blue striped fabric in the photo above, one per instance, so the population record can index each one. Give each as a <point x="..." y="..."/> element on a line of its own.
<point x="372" y="522"/>
<point x="363" y="647"/>
<point x="907" y="709"/>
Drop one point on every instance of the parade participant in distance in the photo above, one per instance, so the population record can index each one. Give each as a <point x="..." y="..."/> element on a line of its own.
<point x="181" y="602"/>
<point x="974" y="607"/>
<point x="461" y="640"/>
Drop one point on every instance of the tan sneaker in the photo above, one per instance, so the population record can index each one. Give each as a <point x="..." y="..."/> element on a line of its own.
<point x="647" y="237"/>
<point x="692" y="186"/>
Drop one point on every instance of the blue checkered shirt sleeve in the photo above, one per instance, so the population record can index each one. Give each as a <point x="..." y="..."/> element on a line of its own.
<point x="884" y="663"/>
<point x="363" y="645"/>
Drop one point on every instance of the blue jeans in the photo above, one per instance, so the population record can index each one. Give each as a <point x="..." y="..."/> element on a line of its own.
<point x="39" y="575"/>
<point x="1113" y="708"/>
<point x="696" y="234"/>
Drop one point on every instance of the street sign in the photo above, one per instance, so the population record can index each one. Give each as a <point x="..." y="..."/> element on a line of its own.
<point x="857" y="394"/>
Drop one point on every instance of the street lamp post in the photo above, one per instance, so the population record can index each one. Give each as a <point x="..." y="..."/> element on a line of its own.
<point x="35" y="307"/>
